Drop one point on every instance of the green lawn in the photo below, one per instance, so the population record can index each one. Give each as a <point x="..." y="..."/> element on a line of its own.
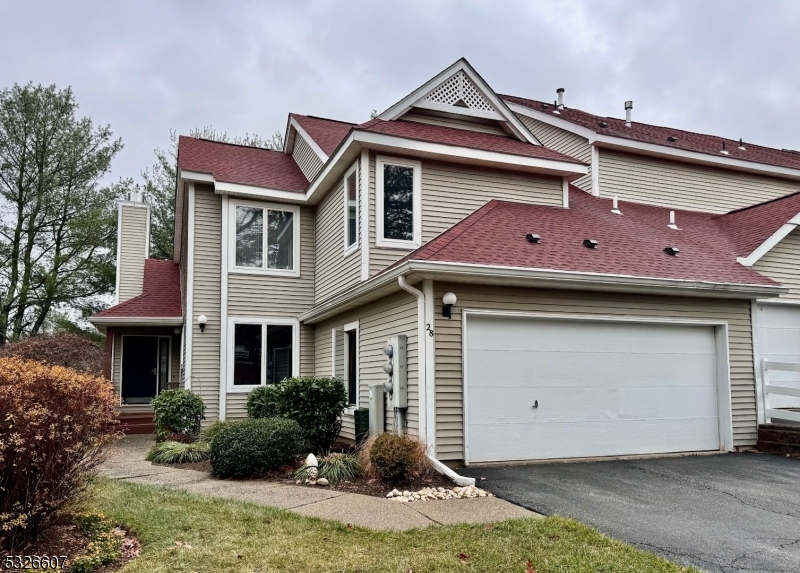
<point x="184" y="533"/>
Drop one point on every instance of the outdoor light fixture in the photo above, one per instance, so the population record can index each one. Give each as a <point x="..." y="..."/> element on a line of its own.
<point x="448" y="300"/>
<point x="202" y="320"/>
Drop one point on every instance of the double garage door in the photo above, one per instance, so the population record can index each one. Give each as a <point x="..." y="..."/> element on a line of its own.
<point x="545" y="388"/>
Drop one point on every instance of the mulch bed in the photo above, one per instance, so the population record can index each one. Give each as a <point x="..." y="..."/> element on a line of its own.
<point x="361" y="484"/>
<point x="66" y="539"/>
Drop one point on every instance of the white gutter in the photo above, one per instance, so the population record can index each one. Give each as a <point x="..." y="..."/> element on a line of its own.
<point x="771" y="241"/>
<point x="422" y="392"/>
<point x="137" y="320"/>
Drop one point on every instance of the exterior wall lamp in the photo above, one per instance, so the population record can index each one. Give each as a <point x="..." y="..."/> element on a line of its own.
<point x="201" y="321"/>
<point x="448" y="300"/>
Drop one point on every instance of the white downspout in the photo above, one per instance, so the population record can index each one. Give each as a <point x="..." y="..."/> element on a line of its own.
<point x="422" y="389"/>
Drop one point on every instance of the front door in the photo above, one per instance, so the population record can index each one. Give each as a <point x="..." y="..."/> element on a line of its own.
<point x="139" y="369"/>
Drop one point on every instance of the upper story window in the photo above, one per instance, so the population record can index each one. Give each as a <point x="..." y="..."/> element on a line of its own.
<point x="265" y="238"/>
<point x="398" y="201"/>
<point x="350" y="211"/>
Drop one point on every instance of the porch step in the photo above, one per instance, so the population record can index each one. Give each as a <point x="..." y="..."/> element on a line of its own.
<point x="136" y="423"/>
<point x="779" y="439"/>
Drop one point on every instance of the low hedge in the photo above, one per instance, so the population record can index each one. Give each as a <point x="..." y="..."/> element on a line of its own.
<point x="253" y="447"/>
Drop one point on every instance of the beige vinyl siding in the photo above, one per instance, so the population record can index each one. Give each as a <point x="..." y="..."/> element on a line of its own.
<point x="452" y="192"/>
<point x="782" y="264"/>
<point x="206" y="297"/>
<point x="455" y="121"/>
<point x="683" y="185"/>
<point x="334" y="271"/>
<point x="252" y="295"/>
<point x="305" y="157"/>
<point x="132" y="244"/>
<point x="564" y="142"/>
<point x="449" y="360"/>
<point x="394" y="314"/>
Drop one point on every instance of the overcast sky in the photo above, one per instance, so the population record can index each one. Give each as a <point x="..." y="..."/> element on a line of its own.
<point x="730" y="68"/>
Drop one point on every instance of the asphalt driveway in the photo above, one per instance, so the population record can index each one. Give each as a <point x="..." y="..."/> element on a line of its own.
<point x="726" y="513"/>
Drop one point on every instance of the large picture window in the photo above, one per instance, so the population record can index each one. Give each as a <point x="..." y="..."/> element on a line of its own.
<point x="398" y="201"/>
<point x="261" y="351"/>
<point x="265" y="239"/>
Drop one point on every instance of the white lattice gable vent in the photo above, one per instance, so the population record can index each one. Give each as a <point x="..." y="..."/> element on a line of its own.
<point x="458" y="90"/>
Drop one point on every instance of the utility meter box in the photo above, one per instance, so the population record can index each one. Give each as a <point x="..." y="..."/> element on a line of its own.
<point x="396" y="369"/>
<point x="377" y="407"/>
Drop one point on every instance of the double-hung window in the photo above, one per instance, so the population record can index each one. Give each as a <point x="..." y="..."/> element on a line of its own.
<point x="398" y="201"/>
<point x="350" y="211"/>
<point x="345" y="360"/>
<point x="261" y="351"/>
<point x="265" y="238"/>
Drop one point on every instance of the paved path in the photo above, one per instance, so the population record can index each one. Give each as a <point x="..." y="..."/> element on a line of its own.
<point x="127" y="462"/>
<point x="723" y="513"/>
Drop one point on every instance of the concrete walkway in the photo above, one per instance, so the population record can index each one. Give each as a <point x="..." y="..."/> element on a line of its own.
<point x="127" y="462"/>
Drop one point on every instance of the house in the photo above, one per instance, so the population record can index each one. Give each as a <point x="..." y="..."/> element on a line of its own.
<point x="568" y="285"/>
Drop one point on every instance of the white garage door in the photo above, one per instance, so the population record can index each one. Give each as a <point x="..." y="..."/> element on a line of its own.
<point x="602" y="388"/>
<point x="779" y="340"/>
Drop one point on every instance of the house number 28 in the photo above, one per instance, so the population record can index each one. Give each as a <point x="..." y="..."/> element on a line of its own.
<point x="428" y="329"/>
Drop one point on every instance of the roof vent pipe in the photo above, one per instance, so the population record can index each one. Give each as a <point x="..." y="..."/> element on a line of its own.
<point x="628" y="108"/>
<point x="672" y="224"/>
<point x="560" y="92"/>
<point x="555" y="108"/>
<point x="741" y="145"/>
<point x="615" y="206"/>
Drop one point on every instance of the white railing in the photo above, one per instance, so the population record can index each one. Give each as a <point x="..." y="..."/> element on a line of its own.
<point x="769" y="389"/>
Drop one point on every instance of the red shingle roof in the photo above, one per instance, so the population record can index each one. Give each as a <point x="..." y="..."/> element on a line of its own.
<point x="751" y="226"/>
<point x="240" y="164"/>
<point x="327" y="133"/>
<point x="463" y="138"/>
<point x="630" y="244"/>
<point x="160" y="298"/>
<point x="686" y="140"/>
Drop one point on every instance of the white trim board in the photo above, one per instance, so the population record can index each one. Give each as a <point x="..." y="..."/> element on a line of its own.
<point x="771" y="241"/>
<point x="724" y="404"/>
<point x="230" y="242"/>
<point x="351" y="171"/>
<point x="223" y="310"/>
<point x="189" y="321"/>
<point x="309" y="140"/>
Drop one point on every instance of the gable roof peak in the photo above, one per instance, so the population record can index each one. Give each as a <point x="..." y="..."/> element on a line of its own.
<point x="460" y="90"/>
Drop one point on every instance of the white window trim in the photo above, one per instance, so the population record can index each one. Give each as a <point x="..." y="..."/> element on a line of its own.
<point x="349" y="327"/>
<point x="348" y="250"/>
<point x="264" y="321"/>
<point x="380" y="241"/>
<point x="232" y="268"/>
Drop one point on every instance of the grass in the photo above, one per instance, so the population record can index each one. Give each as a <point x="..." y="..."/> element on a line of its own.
<point x="178" y="453"/>
<point x="184" y="532"/>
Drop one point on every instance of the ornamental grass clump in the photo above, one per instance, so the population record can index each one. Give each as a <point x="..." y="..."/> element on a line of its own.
<point x="395" y="459"/>
<point x="55" y="423"/>
<point x="178" y="452"/>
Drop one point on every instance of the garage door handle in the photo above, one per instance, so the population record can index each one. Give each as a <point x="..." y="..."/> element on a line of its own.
<point x="536" y="403"/>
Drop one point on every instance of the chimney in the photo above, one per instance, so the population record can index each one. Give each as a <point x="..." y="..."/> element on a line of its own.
<point x="628" y="108"/>
<point x="560" y="92"/>
<point x="133" y="245"/>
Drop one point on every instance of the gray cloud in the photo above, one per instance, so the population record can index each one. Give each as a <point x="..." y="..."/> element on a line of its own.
<point x="730" y="68"/>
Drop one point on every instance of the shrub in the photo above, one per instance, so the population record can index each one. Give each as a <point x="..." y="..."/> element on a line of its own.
<point x="208" y="433"/>
<point x="178" y="453"/>
<point x="395" y="459"/>
<point x="253" y="447"/>
<point x="69" y="350"/>
<point x="54" y="425"/>
<point x="263" y="401"/>
<point x="317" y="405"/>
<point x="104" y="542"/>
<point x="177" y="412"/>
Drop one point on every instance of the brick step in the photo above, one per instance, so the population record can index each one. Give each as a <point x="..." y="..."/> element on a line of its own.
<point x="778" y="448"/>
<point x="136" y="423"/>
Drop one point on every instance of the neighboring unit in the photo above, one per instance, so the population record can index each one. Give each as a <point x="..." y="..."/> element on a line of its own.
<point x="555" y="284"/>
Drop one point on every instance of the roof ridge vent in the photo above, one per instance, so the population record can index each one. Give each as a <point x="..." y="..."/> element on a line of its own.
<point x="672" y="224"/>
<point x="590" y="243"/>
<point x="628" y="109"/>
<point x="615" y="206"/>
